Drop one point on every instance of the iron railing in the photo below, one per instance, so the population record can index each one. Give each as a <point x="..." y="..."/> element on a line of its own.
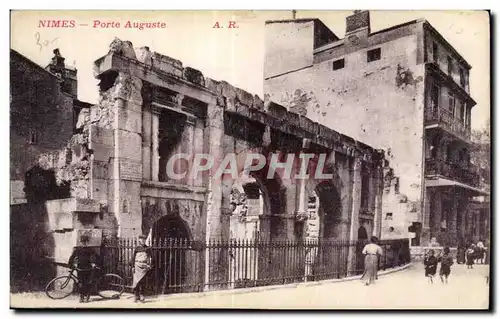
<point x="467" y="174"/>
<point x="441" y="116"/>
<point x="180" y="265"/>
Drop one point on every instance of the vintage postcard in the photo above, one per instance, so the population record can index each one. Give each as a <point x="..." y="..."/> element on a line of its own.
<point x="250" y="159"/>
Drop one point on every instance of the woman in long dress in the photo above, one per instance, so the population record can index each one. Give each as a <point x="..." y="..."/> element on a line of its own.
<point x="372" y="251"/>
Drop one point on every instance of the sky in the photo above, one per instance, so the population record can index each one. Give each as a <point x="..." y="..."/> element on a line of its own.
<point x="234" y="55"/>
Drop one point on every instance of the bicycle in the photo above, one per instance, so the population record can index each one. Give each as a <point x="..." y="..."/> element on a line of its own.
<point x="109" y="286"/>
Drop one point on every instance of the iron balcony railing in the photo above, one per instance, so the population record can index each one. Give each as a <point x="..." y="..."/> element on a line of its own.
<point x="467" y="174"/>
<point x="180" y="265"/>
<point x="448" y="121"/>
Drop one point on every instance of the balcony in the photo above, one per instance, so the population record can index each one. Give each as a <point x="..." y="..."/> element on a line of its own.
<point x="439" y="117"/>
<point x="464" y="173"/>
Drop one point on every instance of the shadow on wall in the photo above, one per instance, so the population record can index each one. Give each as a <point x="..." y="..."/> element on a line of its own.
<point x="31" y="244"/>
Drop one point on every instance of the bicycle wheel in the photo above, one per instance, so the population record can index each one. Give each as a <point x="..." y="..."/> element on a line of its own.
<point x="111" y="286"/>
<point x="61" y="287"/>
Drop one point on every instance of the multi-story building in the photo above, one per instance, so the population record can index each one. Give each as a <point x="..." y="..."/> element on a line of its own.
<point x="405" y="90"/>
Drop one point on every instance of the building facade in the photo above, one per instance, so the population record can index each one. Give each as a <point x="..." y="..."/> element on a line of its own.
<point x="405" y="90"/>
<point x="154" y="118"/>
<point x="43" y="109"/>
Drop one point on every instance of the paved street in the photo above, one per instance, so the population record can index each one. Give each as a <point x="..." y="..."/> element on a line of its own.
<point x="467" y="289"/>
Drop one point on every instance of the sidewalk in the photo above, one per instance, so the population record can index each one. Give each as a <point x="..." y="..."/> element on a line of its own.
<point x="406" y="289"/>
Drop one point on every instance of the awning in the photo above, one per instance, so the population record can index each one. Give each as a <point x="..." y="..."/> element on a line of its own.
<point x="436" y="181"/>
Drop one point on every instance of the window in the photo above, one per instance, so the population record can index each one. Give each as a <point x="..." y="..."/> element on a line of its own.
<point x="434" y="96"/>
<point x="365" y="187"/>
<point x="32" y="138"/>
<point x="373" y="55"/>
<point x="462" y="77"/>
<point x="339" y="64"/>
<point x="435" y="52"/>
<point x="450" y="66"/>
<point x="461" y="111"/>
<point x="451" y="103"/>
<point x="388" y="216"/>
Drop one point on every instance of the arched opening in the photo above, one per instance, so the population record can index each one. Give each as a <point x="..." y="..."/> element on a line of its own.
<point x="330" y="211"/>
<point x="362" y="233"/>
<point x="171" y="261"/>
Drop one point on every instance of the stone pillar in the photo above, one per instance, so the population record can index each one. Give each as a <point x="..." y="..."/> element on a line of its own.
<point x="127" y="159"/>
<point x="356" y="205"/>
<point x="198" y="146"/>
<point x="146" y="142"/>
<point x="214" y="134"/>
<point x="377" y="220"/>
<point x="186" y="147"/>
<point x="155" y="157"/>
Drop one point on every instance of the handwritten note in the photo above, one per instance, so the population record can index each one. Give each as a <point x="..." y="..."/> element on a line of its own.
<point x="44" y="43"/>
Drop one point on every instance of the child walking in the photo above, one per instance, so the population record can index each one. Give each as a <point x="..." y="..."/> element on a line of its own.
<point x="430" y="263"/>
<point x="446" y="262"/>
<point x="470" y="254"/>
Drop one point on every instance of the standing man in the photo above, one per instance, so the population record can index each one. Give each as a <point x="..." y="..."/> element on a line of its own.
<point x="84" y="258"/>
<point x="141" y="264"/>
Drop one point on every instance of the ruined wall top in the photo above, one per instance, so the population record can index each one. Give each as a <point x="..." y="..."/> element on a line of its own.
<point x="236" y="100"/>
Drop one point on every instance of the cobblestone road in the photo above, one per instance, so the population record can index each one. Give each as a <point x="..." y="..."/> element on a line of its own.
<point x="407" y="289"/>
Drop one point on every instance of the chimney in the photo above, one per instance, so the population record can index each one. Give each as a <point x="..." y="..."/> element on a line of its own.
<point x="357" y="26"/>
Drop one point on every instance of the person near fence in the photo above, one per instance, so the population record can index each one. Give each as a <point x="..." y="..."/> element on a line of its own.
<point x="480" y="252"/>
<point x="84" y="259"/>
<point x="371" y="251"/>
<point x="446" y="261"/>
<point x="141" y="264"/>
<point x="430" y="264"/>
<point x="470" y="255"/>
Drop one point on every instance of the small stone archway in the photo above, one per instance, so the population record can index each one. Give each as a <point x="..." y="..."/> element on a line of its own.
<point x="174" y="265"/>
<point x="329" y="210"/>
<point x="362" y="233"/>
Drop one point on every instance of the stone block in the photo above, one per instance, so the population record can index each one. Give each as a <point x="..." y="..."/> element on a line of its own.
<point x="227" y="90"/>
<point x="130" y="145"/>
<point x="99" y="169"/>
<point x="130" y="120"/>
<point x="72" y="205"/>
<point x="244" y="97"/>
<point x="277" y="110"/>
<point x="212" y="85"/>
<point x="167" y="64"/>
<point x="59" y="221"/>
<point x="194" y="76"/>
<point x="130" y="170"/>
<point x="102" y="152"/>
<point x="100" y="135"/>
<point x="100" y="189"/>
<point x="93" y="236"/>
<point x="307" y="124"/>
<point x="258" y="103"/>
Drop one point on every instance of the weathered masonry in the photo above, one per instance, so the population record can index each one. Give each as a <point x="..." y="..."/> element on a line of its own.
<point x="152" y="108"/>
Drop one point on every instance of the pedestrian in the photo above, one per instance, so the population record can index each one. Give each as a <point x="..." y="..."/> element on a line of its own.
<point x="480" y="251"/>
<point x="141" y="264"/>
<point x="430" y="263"/>
<point x="446" y="262"/>
<point x="372" y="251"/>
<point x="470" y="254"/>
<point x="84" y="259"/>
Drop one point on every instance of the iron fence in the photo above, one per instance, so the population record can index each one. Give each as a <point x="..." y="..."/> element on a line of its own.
<point x="181" y="265"/>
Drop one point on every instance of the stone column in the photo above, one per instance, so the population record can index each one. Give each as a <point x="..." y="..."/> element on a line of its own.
<point x="146" y="142"/>
<point x="214" y="133"/>
<point x="186" y="146"/>
<point x="127" y="159"/>
<point x="155" y="157"/>
<point x="356" y="205"/>
<point x="198" y="146"/>
<point x="377" y="220"/>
